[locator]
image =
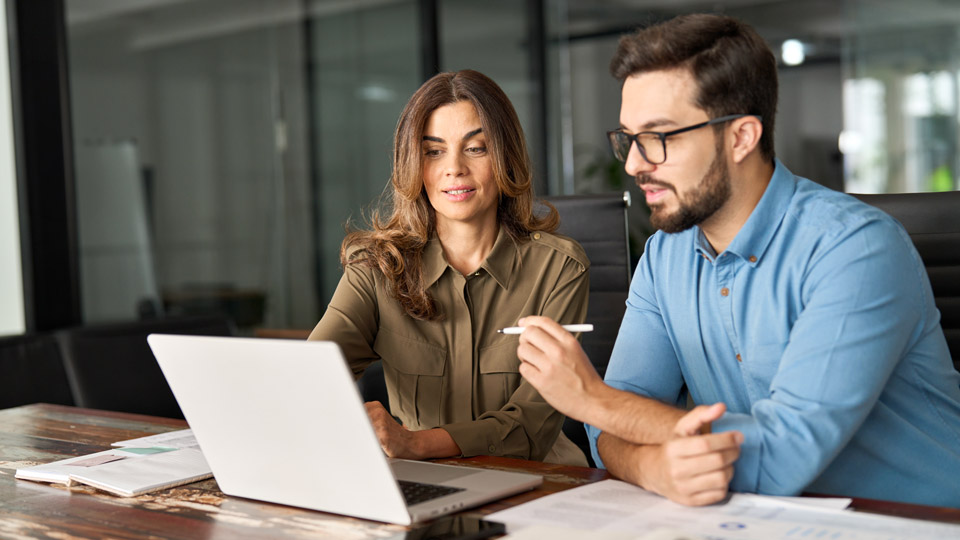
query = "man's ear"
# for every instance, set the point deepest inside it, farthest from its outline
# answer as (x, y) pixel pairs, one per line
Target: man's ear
(746, 136)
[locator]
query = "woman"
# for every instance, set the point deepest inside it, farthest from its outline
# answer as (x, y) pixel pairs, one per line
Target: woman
(460, 255)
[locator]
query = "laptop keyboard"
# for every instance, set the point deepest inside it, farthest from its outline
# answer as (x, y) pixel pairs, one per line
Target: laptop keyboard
(415, 492)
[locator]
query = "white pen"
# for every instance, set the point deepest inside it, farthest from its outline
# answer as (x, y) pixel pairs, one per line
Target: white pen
(567, 327)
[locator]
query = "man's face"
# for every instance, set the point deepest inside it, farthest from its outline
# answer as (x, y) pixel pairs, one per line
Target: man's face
(693, 183)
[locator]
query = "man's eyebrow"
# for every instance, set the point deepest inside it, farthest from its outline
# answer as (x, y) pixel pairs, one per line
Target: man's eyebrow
(652, 124)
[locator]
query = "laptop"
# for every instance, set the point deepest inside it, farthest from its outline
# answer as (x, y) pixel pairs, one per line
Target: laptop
(282, 421)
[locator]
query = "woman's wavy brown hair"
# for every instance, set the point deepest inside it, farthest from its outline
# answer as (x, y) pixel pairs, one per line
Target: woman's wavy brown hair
(394, 244)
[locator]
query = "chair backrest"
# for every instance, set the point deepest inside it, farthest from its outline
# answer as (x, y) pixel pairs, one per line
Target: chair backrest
(599, 223)
(111, 367)
(933, 222)
(31, 371)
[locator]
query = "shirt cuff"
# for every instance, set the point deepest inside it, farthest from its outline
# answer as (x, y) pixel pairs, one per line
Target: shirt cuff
(476, 437)
(746, 469)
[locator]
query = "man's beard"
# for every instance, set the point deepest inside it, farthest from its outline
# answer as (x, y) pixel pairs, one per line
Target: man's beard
(697, 205)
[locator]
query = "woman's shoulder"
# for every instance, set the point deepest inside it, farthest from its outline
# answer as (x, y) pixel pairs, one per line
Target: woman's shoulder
(558, 243)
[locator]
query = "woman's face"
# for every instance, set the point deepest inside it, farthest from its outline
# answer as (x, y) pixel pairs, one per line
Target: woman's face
(458, 168)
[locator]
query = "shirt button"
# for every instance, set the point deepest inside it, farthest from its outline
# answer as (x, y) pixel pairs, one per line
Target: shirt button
(536, 236)
(739, 359)
(724, 291)
(753, 258)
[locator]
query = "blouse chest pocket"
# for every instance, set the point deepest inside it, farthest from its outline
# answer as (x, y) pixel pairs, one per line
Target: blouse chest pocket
(413, 371)
(499, 374)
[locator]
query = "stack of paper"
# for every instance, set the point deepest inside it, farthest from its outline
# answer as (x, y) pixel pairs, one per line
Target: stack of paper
(131, 470)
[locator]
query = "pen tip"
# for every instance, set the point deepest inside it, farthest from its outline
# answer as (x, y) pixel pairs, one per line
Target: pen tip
(499, 330)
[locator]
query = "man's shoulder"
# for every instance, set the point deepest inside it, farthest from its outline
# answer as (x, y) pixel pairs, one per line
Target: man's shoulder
(820, 207)
(557, 243)
(829, 213)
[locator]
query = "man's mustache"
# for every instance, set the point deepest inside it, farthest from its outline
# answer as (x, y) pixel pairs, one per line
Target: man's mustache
(646, 179)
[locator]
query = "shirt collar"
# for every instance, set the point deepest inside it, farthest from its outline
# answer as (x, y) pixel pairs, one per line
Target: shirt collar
(756, 234)
(499, 263)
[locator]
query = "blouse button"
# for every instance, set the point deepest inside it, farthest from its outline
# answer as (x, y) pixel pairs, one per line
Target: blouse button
(536, 236)
(724, 291)
(492, 448)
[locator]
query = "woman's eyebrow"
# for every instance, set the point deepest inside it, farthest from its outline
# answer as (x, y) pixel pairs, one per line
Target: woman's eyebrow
(465, 137)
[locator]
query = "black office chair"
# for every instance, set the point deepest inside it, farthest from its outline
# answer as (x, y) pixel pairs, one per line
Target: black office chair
(32, 372)
(111, 367)
(599, 223)
(933, 222)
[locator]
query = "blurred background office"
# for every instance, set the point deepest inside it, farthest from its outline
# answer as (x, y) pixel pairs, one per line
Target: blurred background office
(178, 157)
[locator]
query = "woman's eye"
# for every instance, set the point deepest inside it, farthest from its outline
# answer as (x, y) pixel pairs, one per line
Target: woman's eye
(477, 150)
(431, 152)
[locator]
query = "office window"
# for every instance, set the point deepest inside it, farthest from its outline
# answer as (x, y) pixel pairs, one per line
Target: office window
(904, 106)
(12, 320)
(193, 192)
(365, 65)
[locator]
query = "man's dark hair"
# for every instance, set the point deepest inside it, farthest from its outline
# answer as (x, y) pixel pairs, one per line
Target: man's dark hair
(733, 66)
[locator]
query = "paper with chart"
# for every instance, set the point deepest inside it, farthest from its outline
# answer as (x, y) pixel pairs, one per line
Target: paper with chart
(617, 506)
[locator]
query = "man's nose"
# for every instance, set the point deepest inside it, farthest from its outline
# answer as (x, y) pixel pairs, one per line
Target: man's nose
(636, 164)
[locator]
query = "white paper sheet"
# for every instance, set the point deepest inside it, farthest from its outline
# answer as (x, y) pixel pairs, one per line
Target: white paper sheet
(612, 505)
(172, 439)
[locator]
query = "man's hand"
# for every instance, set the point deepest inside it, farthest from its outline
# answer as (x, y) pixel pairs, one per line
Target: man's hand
(396, 440)
(693, 468)
(555, 364)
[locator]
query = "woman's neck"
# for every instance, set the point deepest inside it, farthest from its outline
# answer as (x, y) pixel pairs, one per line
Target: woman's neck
(467, 245)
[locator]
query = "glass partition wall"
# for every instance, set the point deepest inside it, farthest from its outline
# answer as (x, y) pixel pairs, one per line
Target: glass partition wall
(222, 145)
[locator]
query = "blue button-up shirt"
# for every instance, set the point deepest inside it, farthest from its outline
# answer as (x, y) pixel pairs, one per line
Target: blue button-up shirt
(818, 330)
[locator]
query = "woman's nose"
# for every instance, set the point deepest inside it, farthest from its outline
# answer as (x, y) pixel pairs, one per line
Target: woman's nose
(454, 164)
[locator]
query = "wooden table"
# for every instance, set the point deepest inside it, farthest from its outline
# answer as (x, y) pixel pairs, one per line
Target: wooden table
(41, 433)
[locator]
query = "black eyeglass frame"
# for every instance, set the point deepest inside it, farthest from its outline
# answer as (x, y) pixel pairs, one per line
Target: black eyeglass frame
(662, 135)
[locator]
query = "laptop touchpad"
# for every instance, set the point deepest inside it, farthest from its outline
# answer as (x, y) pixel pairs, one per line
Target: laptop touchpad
(430, 473)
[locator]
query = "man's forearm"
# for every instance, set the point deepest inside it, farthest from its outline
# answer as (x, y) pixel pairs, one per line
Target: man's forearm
(624, 459)
(630, 417)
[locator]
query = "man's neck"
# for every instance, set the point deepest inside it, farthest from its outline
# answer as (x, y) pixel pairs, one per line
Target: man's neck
(749, 180)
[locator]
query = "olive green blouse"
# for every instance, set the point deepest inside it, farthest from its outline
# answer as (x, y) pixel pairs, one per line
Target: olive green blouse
(458, 373)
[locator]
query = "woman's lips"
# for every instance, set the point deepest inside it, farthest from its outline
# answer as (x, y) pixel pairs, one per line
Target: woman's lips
(459, 194)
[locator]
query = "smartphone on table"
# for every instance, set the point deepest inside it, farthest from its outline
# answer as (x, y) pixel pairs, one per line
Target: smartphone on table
(453, 528)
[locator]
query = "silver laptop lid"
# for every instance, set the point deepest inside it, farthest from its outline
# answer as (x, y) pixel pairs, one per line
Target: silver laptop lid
(281, 421)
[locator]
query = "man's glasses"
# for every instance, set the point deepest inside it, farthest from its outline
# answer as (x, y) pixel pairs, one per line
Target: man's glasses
(653, 144)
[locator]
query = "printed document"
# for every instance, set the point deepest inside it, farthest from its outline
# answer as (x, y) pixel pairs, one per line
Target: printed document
(612, 505)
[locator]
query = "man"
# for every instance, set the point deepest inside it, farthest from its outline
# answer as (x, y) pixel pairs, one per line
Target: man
(802, 315)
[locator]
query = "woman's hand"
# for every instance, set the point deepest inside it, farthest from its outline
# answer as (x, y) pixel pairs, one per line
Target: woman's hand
(396, 440)
(399, 442)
